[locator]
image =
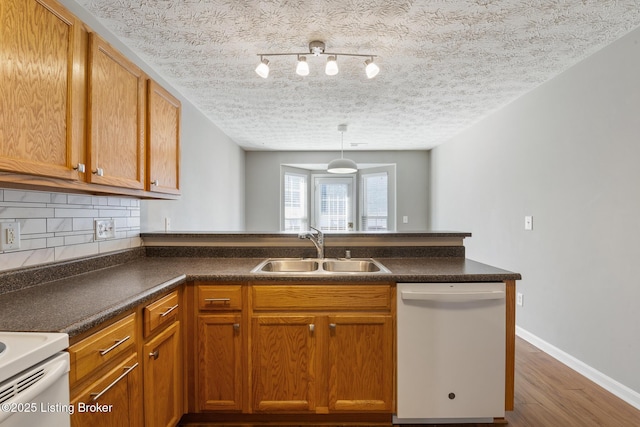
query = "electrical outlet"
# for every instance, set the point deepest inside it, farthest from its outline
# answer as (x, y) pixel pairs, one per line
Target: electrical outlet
(519, 299)
(105, 229)
(9, 236)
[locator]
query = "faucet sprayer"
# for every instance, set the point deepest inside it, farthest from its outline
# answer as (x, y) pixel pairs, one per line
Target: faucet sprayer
(317, 240)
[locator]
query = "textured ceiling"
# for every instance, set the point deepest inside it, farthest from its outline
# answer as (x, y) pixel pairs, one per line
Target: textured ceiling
(444, 64)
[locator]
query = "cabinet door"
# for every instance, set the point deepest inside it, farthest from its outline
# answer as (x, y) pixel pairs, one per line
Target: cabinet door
(283, 363)
(118, 397)
(360, 363)
(219, 372)
(41, 92)
(163, 379)
(116, 117)
(163, 140)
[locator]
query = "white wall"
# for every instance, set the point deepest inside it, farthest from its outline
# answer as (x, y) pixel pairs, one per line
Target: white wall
(566, 153)
(212, 165)
(263, 184)
(212, 182)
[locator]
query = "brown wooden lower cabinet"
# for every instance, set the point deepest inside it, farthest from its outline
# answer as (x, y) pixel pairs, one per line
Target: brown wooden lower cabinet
(220, 368)
(283, 363)
(292, 349)
(333, 354)
(113, 399)
(360, 362)
(163, 378)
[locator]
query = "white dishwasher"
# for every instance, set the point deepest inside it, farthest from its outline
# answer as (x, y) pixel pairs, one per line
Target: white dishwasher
(451, 352)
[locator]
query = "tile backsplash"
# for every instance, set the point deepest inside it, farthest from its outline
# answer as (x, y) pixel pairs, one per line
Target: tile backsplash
(60, 226)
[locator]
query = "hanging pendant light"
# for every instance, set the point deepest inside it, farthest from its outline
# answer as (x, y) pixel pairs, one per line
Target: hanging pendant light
(342, 165)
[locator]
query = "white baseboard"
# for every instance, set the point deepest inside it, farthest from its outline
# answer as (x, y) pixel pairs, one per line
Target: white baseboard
(630, 396)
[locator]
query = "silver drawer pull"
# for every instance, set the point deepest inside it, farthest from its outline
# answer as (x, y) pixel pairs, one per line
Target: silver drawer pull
(155, 182)
(155, 354)
(225, 300)
(236, 327)
(332, 326)
(98, 171)
(96, 396)
(312, 327)
(169, 310)
(107, 350)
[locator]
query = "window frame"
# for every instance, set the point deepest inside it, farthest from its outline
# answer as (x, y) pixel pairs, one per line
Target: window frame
(286, 170)
(353, 206)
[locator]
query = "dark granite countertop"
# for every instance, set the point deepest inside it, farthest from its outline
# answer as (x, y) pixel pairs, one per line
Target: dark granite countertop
(284, 234)
(80, 302)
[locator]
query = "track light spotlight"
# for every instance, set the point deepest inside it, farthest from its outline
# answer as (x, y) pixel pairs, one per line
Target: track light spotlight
(370, 68)
(263, 68)
(331, 69)
(302, 69)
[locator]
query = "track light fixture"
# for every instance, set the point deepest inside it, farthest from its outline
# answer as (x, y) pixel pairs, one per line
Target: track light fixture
(317, 48)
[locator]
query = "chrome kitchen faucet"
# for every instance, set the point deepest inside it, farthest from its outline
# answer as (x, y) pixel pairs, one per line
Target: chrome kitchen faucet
(317, 240)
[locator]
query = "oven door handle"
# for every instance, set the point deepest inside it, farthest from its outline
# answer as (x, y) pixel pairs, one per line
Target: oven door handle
(452, 296)
(52, 373)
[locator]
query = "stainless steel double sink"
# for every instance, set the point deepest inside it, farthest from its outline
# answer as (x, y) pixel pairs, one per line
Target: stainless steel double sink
(320, 266)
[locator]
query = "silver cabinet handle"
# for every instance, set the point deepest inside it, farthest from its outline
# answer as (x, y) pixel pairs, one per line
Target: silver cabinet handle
(155, 182)
(312, 327)
(107, 350)
(79, 167)
(332, 326)
(98, 171)
(236, 327)
(155, 354)
(225, 300)
(96, 396)
(169, 310)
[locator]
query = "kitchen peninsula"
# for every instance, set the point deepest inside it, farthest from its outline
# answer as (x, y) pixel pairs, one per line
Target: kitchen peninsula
(221, 301)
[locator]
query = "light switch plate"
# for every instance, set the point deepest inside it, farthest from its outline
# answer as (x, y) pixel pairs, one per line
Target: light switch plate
(528, 223)
(105, 229)
(9, 236)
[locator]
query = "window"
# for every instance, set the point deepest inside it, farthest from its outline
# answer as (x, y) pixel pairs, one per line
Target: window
(374, 201)
(333, 203)
(364, 201)
(294, 202)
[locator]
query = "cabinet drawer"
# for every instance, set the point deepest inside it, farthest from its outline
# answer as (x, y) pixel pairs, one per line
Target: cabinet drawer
(321, 297)
(98, 349)
(161, 313)
(220, 297)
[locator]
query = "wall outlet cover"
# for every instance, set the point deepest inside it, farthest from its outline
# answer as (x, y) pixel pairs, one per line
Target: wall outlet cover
(105, 229)
(9, 236)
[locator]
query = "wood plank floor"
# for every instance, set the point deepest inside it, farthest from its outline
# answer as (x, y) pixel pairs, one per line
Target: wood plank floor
(547, 394)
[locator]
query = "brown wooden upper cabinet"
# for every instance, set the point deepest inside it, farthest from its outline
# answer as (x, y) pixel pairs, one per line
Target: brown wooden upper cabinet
(115, 125)
(163, 140)
(41, 89)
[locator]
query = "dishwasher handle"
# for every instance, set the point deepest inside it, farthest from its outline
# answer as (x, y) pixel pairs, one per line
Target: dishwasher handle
(452, 296)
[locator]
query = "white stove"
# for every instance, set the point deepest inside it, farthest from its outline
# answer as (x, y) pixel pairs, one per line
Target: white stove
(34, 377)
